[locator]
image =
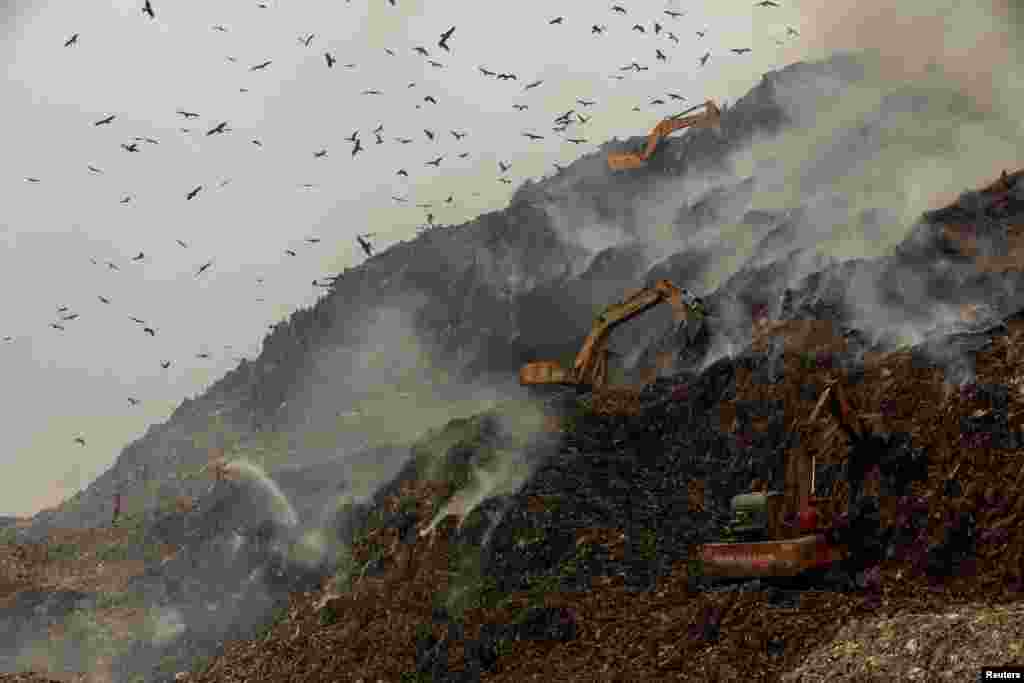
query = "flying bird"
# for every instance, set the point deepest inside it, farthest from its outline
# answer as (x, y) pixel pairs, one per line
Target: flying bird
(358, 147)
(657, 101)
(367, 247)
(134, 147)
(619, 8)
(389, 51)
(674, 15)
(202, 355)
(290, 252)
(556, 20)
(581, 118)
(598, 29)
(165, 364)
(188, 114)
(507, 77)
(220, 28)
(576, 141)
(103, 122)
(790, 31)
(457, 135)
(739, 50)
(586, 103)
(400, 200)
(139, 257)
(660, 55)
(69, 317)
(352, 138)
(306, 40)
(704, 60)
(104, 299)
(504, 167)
(435, 64)
(638, 27)
(674, 96)
(701, 33)
(422, 51)
(436, 163)
(30, 179)
(182, 244)
(402, 172)
(313, 240)
(145, 139)
(192, 194)
(80, 441)
(321, 154)
(71, 41)
(530, 86)
(62, 309)
(112, 266)
(133, 401)
(430, 98)
(505, 180)
(657, 28)
(137, 320)
(766, 3)
(260, 66)
(533, 136)
(443, 43)
(486, 72)
(429, 133)
(57, 327)
(330, 60)
(464, 155)
(219, 128)
(148, 9)
(203, 268)
(372, 92)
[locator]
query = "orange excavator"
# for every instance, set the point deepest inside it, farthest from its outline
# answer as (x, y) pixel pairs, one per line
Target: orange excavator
(591, 366)
(710, 118)
(762, 545)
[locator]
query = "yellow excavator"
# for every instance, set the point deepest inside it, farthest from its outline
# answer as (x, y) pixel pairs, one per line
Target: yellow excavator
(710, 118)
(591, 366)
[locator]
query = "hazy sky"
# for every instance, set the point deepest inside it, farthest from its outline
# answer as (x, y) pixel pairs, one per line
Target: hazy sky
(62, 384)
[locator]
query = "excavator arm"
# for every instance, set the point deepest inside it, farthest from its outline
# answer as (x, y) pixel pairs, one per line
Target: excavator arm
(591, 365)
(627, 160)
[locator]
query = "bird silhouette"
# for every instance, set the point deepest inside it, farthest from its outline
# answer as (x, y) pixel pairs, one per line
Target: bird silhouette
(657, 101)
(390, 51)
(598, 29)
(330, 60)
(404, 141)
(486, 72)
(372, 92)
(740, 50)
(674, 15)
(137, 320)
(94, 169)
(701, 33)
(62, 309)
(148, 9)
(766, 3)
(145, 139)
(80, 441)
(103, 122)
(30, 179)
(504, 167)
(464, 155)
(192, 194)
(150, 331)
(530, 86)
(289, 252)
(533, 136)
(657, 28)
(133, 401)
(321, 154)
(400, 200)
(203, 268)
(443, 43)
(521, 107)
(313, 240)
(72, 316)
(219, 128)
(367, 247)
(660, 55)
(619, 8)
(357, 148)
(112, 266)
(8, 338)
(71, 41)
(182, 244)
(57, 327)
(104, 299)
(306, 40)
(165, 364)
(422, 51)
(139, 257)
(202, 355)
(260, 66)
(429, 133)
(507, 77)
(402, 172)
(220, 28)
(505, 180)
(430, 98)
(581, 118)
(674, 96)
(704, 60)
(638, 27)
(576, 141)
(188, 114)
(352, 138)
(457, 135)
(134, 147)
(586, 103)
(556, 20)
(790, 31)
(436, 163)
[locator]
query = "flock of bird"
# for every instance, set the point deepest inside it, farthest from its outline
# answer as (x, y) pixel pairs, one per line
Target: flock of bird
(561, 124)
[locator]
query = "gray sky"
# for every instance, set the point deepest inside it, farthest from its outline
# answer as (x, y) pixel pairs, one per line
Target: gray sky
(77, 382)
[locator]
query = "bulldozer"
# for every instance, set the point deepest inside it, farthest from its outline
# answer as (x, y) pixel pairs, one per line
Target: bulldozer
(590, 369)
(709, 118)
(762, 545)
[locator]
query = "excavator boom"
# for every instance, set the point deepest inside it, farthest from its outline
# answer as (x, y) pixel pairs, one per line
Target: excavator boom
(591, 365)
(618, 161)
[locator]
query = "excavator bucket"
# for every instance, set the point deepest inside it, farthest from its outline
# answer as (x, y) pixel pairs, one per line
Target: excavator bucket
(543, 372)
